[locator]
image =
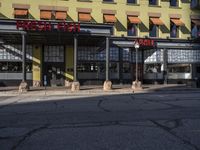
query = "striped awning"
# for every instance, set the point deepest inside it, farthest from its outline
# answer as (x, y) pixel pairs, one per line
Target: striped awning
(156, 21)
(45, 14)
(177, 22)
(86, 17)
(134, 19)
(110, 18)
(20, 12)
(61, 15)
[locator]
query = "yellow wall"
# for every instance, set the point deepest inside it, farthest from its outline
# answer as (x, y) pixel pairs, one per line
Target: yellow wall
(121, 7)
(37, 66)
(69, 63)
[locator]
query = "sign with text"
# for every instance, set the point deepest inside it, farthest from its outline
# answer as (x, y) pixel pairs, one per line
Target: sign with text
(33, 25)
(145, 42)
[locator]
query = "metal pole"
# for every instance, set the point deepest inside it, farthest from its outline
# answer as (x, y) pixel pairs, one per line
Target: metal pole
(75, 58)
(23, 58)
(136, 65)
(107, 59)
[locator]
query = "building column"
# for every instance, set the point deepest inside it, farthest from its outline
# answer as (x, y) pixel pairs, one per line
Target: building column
(165, 58)
(107, 83)
(23, 85)
(75, 83)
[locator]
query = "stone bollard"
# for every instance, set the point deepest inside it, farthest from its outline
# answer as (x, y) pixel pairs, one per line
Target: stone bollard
(136, 85)
(23, 87)
(107, 85)
(75, 86)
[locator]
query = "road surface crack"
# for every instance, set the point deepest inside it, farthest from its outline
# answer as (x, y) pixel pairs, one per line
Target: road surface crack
(99, 105)
(27, 135)
(168, 129)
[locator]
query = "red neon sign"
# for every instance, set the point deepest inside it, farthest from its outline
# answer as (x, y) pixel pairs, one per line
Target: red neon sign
(145, 42)
(47, 26)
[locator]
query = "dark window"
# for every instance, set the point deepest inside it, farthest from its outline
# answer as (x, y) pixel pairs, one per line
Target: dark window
(14, 67)
(108, 0)
(195, 32)
(179, 68)
(153, 2)
(153, 30)
(132, 1)
(173, 30)
(126, 68)
(174, 3)
(198, 69)
(194, 3)
(132, 29)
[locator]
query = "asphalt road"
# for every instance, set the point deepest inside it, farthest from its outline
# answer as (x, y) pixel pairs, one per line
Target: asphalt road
(154, 121)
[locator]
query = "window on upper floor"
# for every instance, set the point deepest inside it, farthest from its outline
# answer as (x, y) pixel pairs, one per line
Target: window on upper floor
(132, 1)
(195, 28)
(153, 30)
(174, 3)
(174, 30)
(154, 23)
(175, 24)
(21, 13)
(194, 3)
(46, 14)
(132, 25)
(132, 29)
(153, 2)
(108, 0)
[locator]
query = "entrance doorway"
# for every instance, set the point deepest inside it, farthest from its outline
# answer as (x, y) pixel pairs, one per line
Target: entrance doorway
(54, 66)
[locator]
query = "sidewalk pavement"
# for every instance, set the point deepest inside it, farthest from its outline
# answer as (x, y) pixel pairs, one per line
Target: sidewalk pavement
(94, 90)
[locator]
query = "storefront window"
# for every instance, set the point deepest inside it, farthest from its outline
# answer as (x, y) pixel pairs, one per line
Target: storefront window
(194, 3)
(91, 67)
(14, 67)
(114, 67)
(127, 54)
(126, 67)
(152, 68)
(179, 68)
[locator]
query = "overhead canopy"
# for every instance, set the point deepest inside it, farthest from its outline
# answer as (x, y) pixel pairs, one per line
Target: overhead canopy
(110, 18)
(177, 22)
(134, 20)
(84, 17)
(157, 21)
(61, 15)
(20, 12)
(45, 14)
(196, 22)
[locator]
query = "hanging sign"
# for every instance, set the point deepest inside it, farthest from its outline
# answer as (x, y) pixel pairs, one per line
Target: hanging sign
(33, 25)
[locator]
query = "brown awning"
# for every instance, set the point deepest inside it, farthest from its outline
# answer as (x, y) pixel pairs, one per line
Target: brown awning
(84, 17)
(110, 18)
(177, 22)
(156, 21)
(196, 22)
(45, 14)
(61, 15)
(133, 19)
(21, 12)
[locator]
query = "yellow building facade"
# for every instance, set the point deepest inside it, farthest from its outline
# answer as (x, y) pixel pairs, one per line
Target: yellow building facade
(99, 17)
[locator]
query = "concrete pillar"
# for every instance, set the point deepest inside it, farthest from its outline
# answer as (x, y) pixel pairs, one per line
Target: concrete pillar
(107, 83)
(75, 84)
(23, 87)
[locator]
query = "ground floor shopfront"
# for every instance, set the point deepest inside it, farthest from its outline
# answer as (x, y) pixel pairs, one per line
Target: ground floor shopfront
(91, 56)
